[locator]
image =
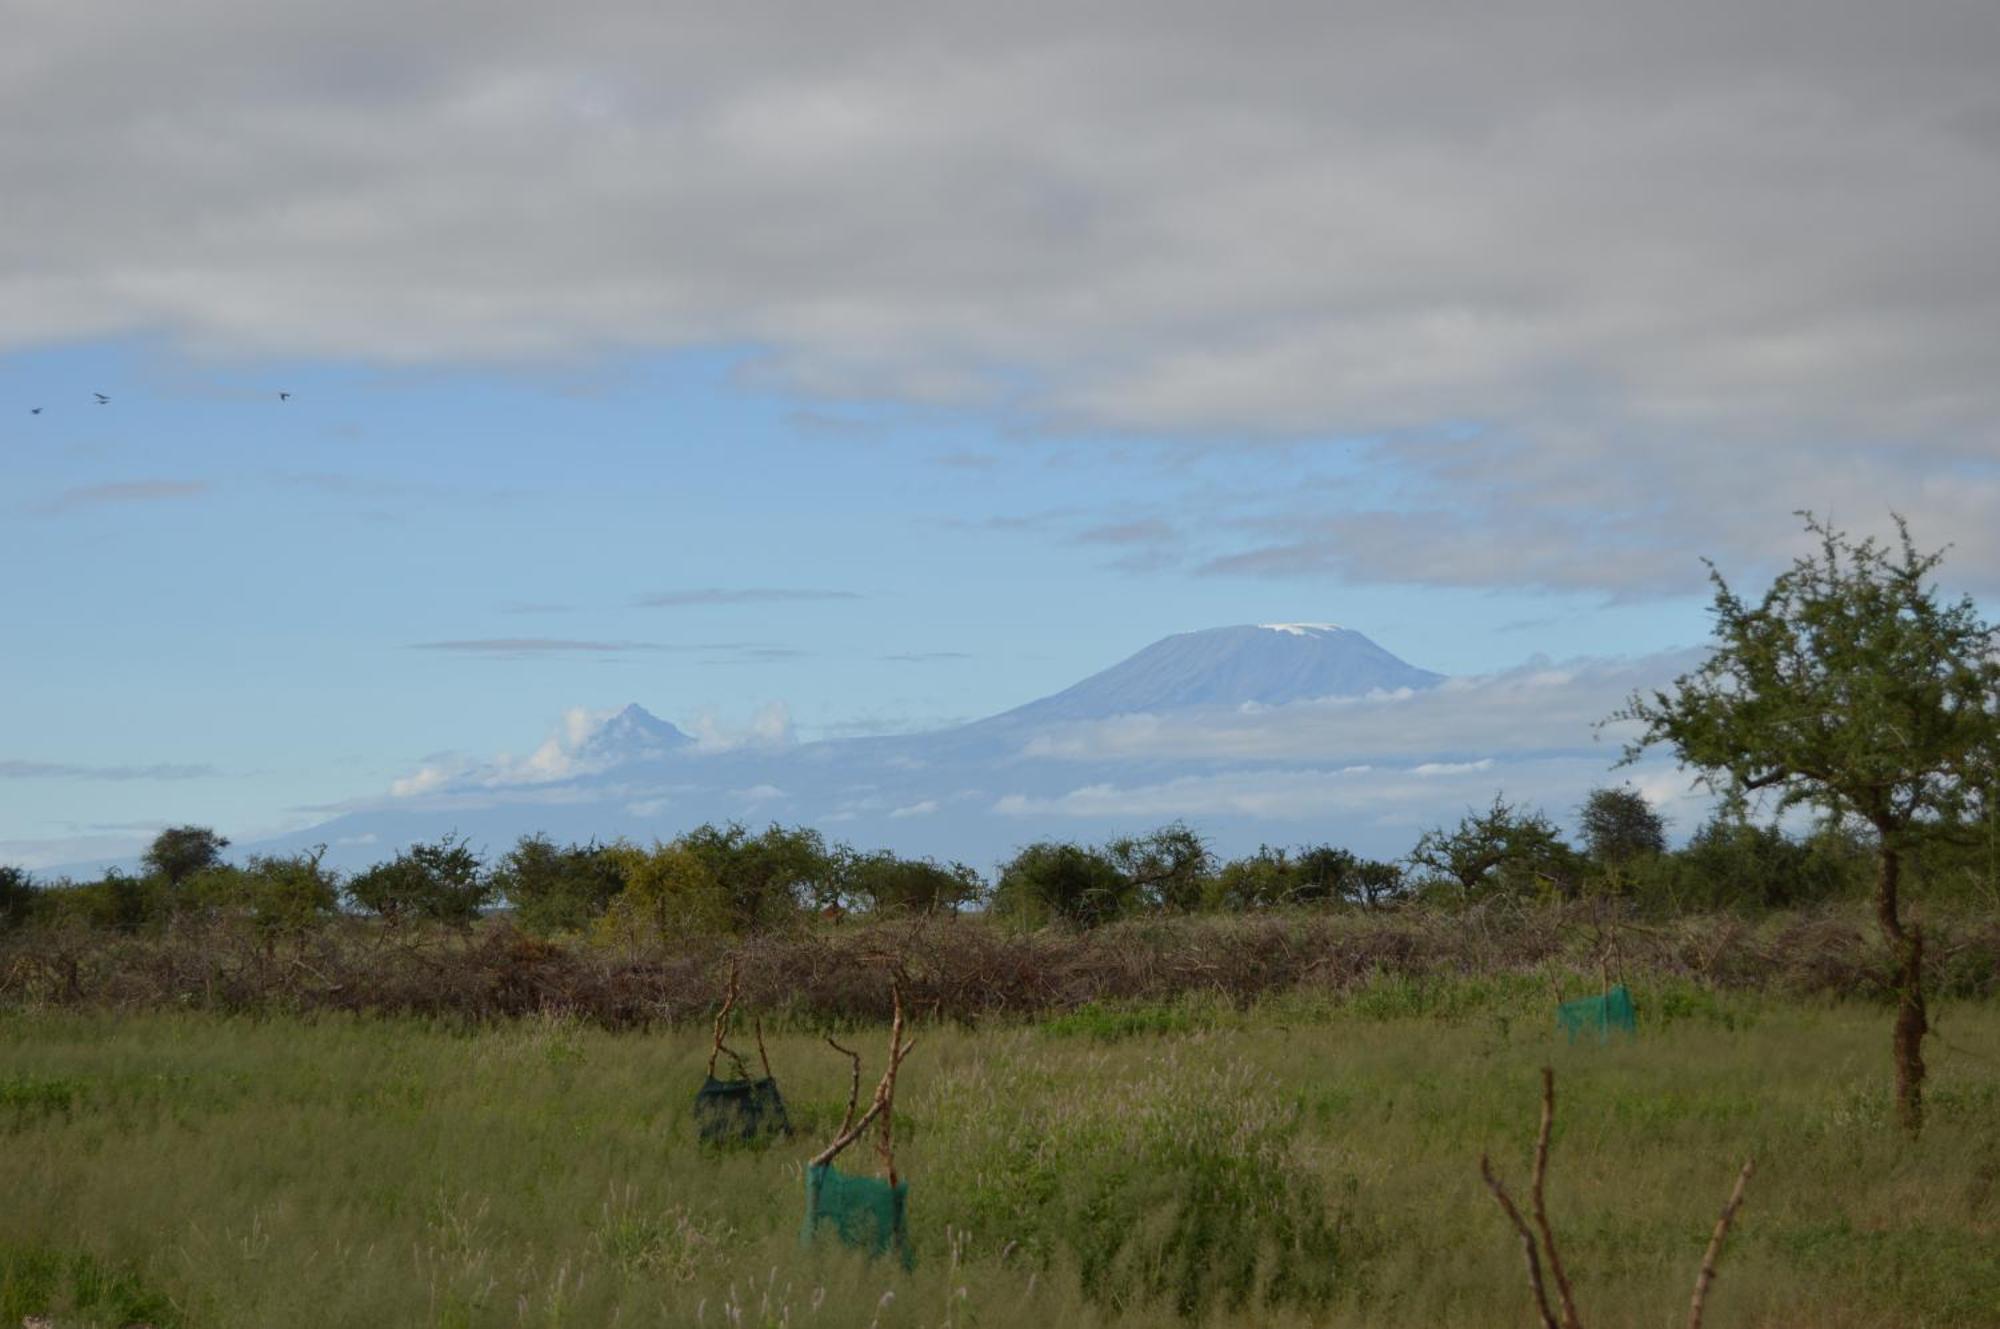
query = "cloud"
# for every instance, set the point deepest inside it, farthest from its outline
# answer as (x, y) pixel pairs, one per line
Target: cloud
(39, 854)
(1149, 531)
(524, 648)
(1347, 796)
(562, 755)
(742, 595)
(1452, 767)
(769, 728)
(57, 770)
(124, 491)
(922, 808)
(1606, 282)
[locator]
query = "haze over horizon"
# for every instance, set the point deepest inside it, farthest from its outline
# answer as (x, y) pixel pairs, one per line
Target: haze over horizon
(812, 375)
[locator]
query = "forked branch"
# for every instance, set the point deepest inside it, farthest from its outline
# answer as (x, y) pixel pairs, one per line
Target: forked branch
(1567, 1302)
(882, 1106)
(1534, 1252)
(1528, 1253)
(853, 1082)
(722, 1028)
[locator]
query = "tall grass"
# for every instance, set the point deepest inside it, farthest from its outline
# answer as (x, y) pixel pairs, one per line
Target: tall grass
(1307, 1161)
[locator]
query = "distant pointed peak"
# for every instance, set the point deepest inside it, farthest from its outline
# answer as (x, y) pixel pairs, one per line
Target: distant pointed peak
(635, 732)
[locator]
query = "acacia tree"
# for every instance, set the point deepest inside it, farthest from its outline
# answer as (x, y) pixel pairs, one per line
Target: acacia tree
(1504, 846)
(1852, 688)
(1619, 825)
(179, 852)
(1169, 868)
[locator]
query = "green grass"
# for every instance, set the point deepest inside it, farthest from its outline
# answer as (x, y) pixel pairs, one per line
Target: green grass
(1311, 1161)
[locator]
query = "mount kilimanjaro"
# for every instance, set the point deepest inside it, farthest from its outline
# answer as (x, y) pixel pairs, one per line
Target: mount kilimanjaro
(1089, 760)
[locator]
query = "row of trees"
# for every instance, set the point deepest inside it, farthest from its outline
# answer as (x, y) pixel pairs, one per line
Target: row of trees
(730, 879)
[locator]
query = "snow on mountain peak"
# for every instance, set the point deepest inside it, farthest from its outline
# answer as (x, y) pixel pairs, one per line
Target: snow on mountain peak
(1302, 629)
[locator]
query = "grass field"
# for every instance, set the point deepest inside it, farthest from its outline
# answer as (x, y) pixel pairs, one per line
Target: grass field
(1304, 1162)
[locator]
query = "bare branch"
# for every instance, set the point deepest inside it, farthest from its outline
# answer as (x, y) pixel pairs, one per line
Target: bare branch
(1527, 1242)
(853, 1083)
(1569, 1320)
(722, 1027)
(883, 1104)
(1722, 1222)
(762, 1055)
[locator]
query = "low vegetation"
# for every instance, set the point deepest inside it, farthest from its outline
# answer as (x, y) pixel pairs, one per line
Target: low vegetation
(1308, 1159)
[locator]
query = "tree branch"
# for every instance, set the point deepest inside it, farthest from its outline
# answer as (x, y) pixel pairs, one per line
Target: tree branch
(1527, 1242)
(1569, 1320)
(1707, 1274)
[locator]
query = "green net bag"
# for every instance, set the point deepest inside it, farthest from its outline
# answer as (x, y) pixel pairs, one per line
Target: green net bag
(865, 1213)
(740, 1111)
(1599, 1015)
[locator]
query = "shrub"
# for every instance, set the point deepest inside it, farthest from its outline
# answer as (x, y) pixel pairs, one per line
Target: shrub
(1065, 883)
(555, 888)
(441, 881)
(1184, 1187)
(669, 893)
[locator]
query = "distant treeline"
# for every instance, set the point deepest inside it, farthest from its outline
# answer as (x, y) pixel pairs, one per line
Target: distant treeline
(719, 880)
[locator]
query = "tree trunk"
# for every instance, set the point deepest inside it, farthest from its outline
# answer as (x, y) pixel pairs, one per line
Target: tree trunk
(1906, 952)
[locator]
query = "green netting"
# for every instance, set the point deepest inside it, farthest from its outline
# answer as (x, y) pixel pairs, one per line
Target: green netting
(866, 1213)
(1598, 1015)
(733, 1111)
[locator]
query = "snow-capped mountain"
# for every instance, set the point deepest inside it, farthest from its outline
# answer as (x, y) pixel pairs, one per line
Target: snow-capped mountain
(1275, 733)
(1269, 664)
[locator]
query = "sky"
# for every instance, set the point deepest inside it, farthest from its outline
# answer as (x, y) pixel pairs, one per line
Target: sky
(861, 369)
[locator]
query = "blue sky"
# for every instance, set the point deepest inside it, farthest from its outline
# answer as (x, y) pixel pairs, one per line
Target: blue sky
(916, 369)
(299, 600)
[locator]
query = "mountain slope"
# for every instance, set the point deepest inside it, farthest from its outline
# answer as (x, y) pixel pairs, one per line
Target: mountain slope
(1269, 664)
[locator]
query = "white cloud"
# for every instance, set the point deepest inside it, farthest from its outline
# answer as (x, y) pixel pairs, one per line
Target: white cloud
(922, 808)
(1667, 271)
(769, 726)
(1343, 801)
(560, 756)
(1452, 767)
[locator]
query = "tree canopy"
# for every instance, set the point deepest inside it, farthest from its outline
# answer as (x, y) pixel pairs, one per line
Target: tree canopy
(1855, 688)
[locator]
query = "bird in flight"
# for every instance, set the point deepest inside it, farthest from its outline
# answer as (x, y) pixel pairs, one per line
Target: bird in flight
(101, 398)
(34, 410)
(284, 396)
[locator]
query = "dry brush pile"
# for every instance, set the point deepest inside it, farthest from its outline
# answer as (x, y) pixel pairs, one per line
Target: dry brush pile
(955, 968)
